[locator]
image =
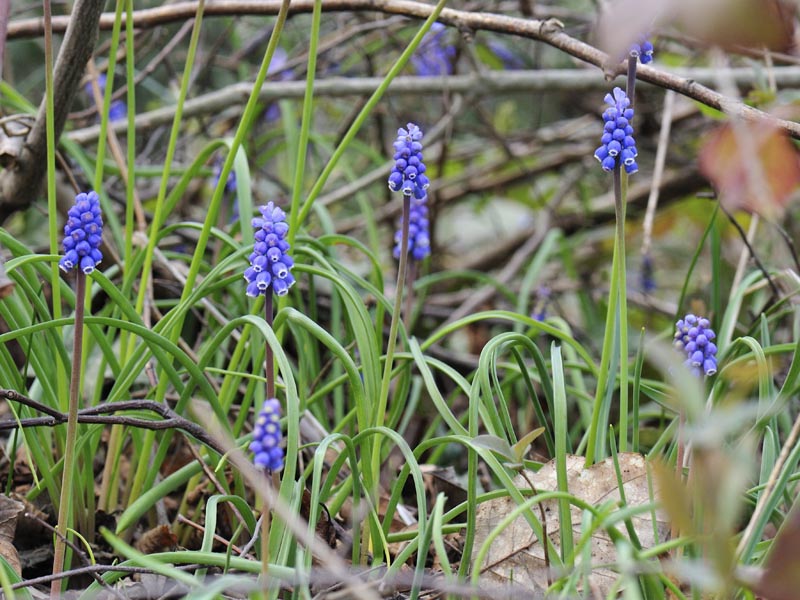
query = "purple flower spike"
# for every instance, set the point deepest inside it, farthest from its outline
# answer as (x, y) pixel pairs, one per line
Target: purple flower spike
(693, 336)
(618, 147)
(266, 444)
(83, 234)
(408, 176)
(270, 263)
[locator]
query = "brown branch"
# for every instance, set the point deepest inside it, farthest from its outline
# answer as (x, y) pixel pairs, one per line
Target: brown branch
(548, 31)
(100, 415)
(18, 185)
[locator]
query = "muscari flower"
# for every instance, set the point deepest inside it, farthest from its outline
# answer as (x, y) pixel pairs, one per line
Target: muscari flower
(266, 444)
(230, 184)
(510, 60)
(647, 276)
(643, 50)
(270, 263)
(694, 336)
(434, 56)
(408, 176)
(83, 234)
(118, 109)
(277, 69)
(617, 142)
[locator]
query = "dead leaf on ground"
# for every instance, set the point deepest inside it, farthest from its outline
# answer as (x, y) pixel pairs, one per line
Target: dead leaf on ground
(9, 513)
(158, 539)
(516, 554)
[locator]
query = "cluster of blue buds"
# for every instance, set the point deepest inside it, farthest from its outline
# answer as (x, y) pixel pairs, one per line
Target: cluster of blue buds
(83, 234)
(617, 140)
(408, 173)
(434, 56)
(266, 444)
(694, 336)
(419, 242)
(643, 50)
(270, 263)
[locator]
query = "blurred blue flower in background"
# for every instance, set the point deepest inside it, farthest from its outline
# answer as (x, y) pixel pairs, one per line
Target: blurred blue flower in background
(118, 109)
(511, 62)
(266, 444)
(277, 67)
(434, 56)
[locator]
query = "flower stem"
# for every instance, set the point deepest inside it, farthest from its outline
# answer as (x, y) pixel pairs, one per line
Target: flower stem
(64, 503)
(630, 88)
(270, 357)
(620, 197)
(383, 399)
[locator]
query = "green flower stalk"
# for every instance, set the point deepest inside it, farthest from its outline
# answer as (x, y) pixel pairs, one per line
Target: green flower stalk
(83, 235)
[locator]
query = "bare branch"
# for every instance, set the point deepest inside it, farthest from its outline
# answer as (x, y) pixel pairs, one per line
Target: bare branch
(548, 31)
(100, 415)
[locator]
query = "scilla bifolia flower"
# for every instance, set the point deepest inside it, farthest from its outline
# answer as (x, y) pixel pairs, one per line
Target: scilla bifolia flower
(83, 234)
(617, 140)
(408, 176)
(694, 336)
(270, 263)
(266, 444)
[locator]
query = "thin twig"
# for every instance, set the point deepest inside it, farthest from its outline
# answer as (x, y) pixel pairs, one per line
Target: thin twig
(747, 239)
(658, 171)
(96, 415)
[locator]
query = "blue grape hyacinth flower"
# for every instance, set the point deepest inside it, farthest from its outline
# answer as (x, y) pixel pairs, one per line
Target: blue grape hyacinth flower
(408, 173)
(434, 56)
(266, 444)
(419, 242)
(83, 234)
(643, 50)
(118, 109)
(694, 336)
(270, 263)
(408, 176)
(617, 144)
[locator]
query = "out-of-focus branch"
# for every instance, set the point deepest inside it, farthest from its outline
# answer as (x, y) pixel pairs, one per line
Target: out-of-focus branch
(548, 31)
(22, 178)
(547, 80)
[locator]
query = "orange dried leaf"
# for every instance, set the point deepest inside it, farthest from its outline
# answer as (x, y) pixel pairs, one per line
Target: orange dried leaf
(754, 166)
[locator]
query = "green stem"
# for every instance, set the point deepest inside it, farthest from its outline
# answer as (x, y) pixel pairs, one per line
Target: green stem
(605, 360)
(620, 197)
(52, 208)
(308, 111)
(270, 356)
(383, 398)
(65, 501)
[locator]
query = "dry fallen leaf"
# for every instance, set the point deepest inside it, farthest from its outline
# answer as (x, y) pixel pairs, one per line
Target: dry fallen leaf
(753, 165)
(516, 555)
(9, 513)
(780, 577)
